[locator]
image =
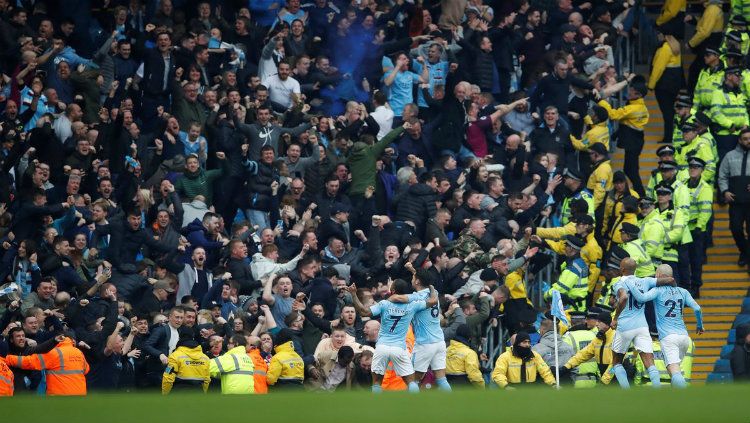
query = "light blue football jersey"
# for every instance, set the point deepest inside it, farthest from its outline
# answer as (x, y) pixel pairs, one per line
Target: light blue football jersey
(633, 316)
(669, 303)
(427, 328)
(394, 321)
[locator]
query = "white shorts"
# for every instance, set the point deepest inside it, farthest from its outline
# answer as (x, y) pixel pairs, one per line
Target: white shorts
(398, 356)
(429, 355)
(674, 348)
(640, 338)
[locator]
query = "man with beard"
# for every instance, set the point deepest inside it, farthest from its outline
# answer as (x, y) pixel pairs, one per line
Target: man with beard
(520, 365)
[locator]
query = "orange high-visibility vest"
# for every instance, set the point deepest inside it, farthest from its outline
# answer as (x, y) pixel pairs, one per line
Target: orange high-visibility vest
(259, 372)
(65, 368)
(6, 379)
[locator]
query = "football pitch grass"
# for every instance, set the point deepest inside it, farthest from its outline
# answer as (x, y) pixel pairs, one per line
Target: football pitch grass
(704, 404)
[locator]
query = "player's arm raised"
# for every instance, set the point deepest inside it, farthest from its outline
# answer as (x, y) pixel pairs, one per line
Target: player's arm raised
(433, 297)
(361, 309)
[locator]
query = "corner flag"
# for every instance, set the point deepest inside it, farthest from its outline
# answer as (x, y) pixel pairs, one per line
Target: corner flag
(557, 308)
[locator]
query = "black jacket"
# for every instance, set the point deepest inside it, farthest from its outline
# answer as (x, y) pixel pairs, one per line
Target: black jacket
(740, 356)
(418, 205)
(153, 73)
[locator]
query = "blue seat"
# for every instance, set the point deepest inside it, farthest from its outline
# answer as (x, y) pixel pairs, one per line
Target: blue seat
(741, 319)
(732, 337)
(719, 378)
(722, 366)
(726, 351)
(746, 305)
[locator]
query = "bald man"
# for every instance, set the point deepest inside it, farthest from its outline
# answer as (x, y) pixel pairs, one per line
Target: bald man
(630, 322)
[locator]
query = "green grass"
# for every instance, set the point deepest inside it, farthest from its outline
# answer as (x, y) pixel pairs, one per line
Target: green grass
(606, 405)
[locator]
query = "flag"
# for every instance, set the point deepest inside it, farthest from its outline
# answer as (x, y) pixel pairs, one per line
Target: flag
(8, 289)
(558, 310)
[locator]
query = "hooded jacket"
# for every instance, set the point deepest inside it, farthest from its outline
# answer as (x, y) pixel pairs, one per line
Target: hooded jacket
(262, 266)
(286, 365)
(740, 356)
(418, 205)
(199, 183)
(362, 161)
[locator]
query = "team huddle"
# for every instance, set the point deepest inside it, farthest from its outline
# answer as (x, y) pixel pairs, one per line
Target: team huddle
(638, 302)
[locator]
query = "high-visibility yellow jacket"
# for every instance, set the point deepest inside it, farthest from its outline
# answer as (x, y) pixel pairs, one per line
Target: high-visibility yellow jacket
(606, 292)
(701, 148)
(573, 282)
(186, 368)
(653, 231)
(709, 80)
(508, 369)
(701, 204)
(670, 9)
(599, 350)
(676, 227)
(286, 365)
(461, 360)
(634, 114)
(614, 236)
(583, 194)
(588, 370)
(558, 232)
(613, 207)
(514, 282)
(666, 56)
(597, 133)
(235, 368)
(729, 111)
(741, 8)
(712, 20)
(644, 266)
(591, 253)
(600, 181)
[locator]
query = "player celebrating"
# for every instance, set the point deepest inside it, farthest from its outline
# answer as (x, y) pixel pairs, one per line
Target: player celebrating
(630, 322)
(394, 324)
(429, 351)
(673, 335)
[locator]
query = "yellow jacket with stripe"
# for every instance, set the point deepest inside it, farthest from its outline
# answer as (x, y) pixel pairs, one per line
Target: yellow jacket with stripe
(666, 56)
(186, 367)
(741, 8)
(235, 368)
(709, 81)
(461, 360)
(653, 231)
(728, 111)
(508, 369)
(634, 114)
(598, 349)
(600, 181)
(701, 204)
(712, 20)
(286, 364)
(700, 147)
(641, 376)
(597, 133)
(591, 253)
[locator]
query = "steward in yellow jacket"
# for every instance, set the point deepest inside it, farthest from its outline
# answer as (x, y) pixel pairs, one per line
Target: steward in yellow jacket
(187, 367)
(598, 131)
(235, 368)
(520, 365)
(666, 79)
(591, 253)
(600, 180)
(600, 349)
(462, 362)
(709, 26)
(287, 368)
(613, 201)
(629, 214)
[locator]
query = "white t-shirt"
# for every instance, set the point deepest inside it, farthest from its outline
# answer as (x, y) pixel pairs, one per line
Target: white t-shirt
(384, 117)
(280, 91)
(174, 337)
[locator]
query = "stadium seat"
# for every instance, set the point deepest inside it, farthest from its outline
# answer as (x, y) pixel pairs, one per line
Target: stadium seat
(741, 319)
(719, 378)
(726, 350)
(745, 306)
(722, 366)
(732, 336)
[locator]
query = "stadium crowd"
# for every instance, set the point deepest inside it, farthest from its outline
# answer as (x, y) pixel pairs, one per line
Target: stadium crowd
(204, 195)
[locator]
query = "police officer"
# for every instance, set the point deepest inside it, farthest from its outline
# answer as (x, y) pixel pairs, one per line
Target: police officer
(735, 58)
(187, 366)
(737, 27)
(665, 153)
(697, 145)
(701, 209)
(634, 247)
(686, 365)
(682, 106)
(729, 111)
(573, 181)
(573, 282)
(681, 202)
(596, 356)
(709, 80)
(653, 230)
(633, 118)
(676, 227)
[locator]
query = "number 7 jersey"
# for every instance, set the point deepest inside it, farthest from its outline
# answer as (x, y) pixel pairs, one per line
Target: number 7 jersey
(394, 321)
